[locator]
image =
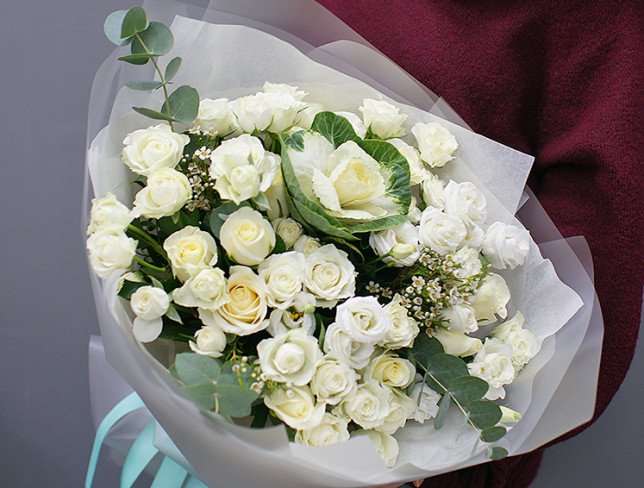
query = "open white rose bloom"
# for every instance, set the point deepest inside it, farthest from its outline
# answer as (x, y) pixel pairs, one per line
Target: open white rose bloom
(328, 253)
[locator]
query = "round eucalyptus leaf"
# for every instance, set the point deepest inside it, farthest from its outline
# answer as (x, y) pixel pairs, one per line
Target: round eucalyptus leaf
(112, 27)
(183, 104)
(136, 58)
(156, 39)
(484, 414)
(172, 68)
(134, 21)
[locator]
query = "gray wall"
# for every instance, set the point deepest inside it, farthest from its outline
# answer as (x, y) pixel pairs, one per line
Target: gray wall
(49, 51)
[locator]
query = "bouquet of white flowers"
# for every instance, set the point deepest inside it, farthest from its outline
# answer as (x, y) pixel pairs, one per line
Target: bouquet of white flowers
(317, 266)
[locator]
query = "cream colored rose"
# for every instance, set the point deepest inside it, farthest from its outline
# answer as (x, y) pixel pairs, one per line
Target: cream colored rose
(466, 202)
(290, 358)
(108, 212)
(283, 275)
(401, 407)
(435, 143)
(491, 299)
(190, 250)
(493, 363)
(110, 249)
(416, 168)
(426, 407)
(149, 150)
(216, 117)
(384, 444)
(390, 371)
(383, 119)
(166, 192)
(467, 261)
(439, 231)
(247, 237)
(149, 304)
(524, 344)
(331, 429)
(207, 289)
(460, 318)
(333, 380)
(367, 405)
(329, 275)
(306, 245)
(432, 190)
(364, 319)
(403, 330)
(245, 312)
(457, 343)
(398, 244)
(289, 230)
(298, 316)
(340, 345)
(506, 246)
(209, 341)
(295, 406)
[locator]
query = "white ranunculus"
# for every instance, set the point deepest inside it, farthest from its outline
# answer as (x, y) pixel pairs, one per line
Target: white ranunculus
(468, 261)
(110, 249)
(356, 123)
(384, 444)
(207, 289)
(340, 345)
(272, 112)
(298, 316)
(283, 275)
(439, 231)
(491, 299)
(426, 407)
(524, 344)
(245, 312)
(457, 343)
(367, 405)
(432, 190)
(331, 429)
(506, 246)
(209, 341)
(493, 363)
(149, 304)
(149, 150)
(307, 245)
(382, 119)
(399, 244)
(333, 380)
(460, 318)
(401, 407)
(412, 156)
(403, 330)
(216, 117)
(108, 212)
(242, 168)
(190, 250)
(329, 275)
(290, 358)
(390, 371)
(166, 192)
(364, 319)
(289, 230)
(296, 407)
(435, 143)
(465, 201)
(247, 236)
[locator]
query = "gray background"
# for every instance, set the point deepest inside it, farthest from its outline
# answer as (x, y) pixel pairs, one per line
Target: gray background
(49, 52)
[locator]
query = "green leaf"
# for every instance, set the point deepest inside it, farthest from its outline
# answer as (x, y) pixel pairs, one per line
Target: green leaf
(157, 39)
(194, 369)
(493, 434)
(443, 408)
(144, 85)
(466, 389)
(112, 27)
(153, 114)
(156, 282)
(334, 127)
(134, 21)
(280, 246)
(484, 414)
(203, 394)
(496, 453)
(425, 348)
(138, 59)
(183, 104)
(234, 400)
(261, 201)
(444, 368)
(172, 68)
(172, 314)
(219, 215)
(130, 287)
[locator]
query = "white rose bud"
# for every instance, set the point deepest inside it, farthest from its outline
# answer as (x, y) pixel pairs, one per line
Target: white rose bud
(439, 231)
(383, 119)
(333, 380)
(295, 407)
(524, 344)
(356, 123)
(149, 304)
(435, 143)
(403, 330)
(401, 407)
(457, 343)
(509, 416)
(384, 444)
(493, 363)
(190, 250)
(108, 212)
(298, 316)
(110, 249)
(340, 345)
(329, 275)
(491, 299)
(466, 202)
(460, 318)
(416, 168)
(215, 116)
(364, 319)
(149, 150)
(166, 192)
(390, 371)
(332, 429)
(306, 245)
(207, 289)
(367, 405)
(290, 358)
(506, 246)
(426, 405)
(432, 190)
(289, 230)
(468, 263)
(247, 237)
(399, 244)
(283, 275)
(210, 341)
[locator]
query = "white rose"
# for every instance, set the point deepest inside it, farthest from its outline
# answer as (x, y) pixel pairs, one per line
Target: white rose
(306, 245)
(298, 316)
(356, 123)
(390, 371)
(210, 341)
(493, 363)
(149, 150)
(273, 112)
(149, 304)
(435, 143)
(190, 250)
(108, 211)
(457, 343)
(289, 230)
(426, 405)
(283, 275)
(412, 156)
(245, 312)
(465, 201)
(242, 168)
(506, 246)
(340, 345)
(215, 116)
(284, 88)
(491, 299)
(401, 407)
(333, 380)
(110, 249)
(207, 289)
(165, 193)
(468, 261)
(247, 237)
(460, 318)
(432, 190)
(329, 275)
(367, 405)
(524, 344)
(403, 328)
(364, 319)
(295, 407)
(474, 237)
(382, 119)
(399, 244)
(331, 429)
(439, 231)
(290, 358)
(384, 444)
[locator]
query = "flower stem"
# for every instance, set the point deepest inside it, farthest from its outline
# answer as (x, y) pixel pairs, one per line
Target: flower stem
(148, 239)
(148, 265)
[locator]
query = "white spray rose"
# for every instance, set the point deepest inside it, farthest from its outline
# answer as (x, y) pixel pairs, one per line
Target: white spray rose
(283, 275)
(216, 117)
(399, 244)
(166, 192)
(506, 246)
(390, 371)
(439, 231)
(493, 363)
(273, 112)
(295, 407)
(331, 429)
(384, 444)
(329, 275)
(427, 405)
(432, 190)
(460, 318)
(524, 344)
(340, 345)
(207, 289)
(457, 343)
(435, 143)
(403, 330)
(298, 316)
(242, 168)
(110, 249)
(465, 201)
(401, 407)
(149, 150)
(416, 168)
(289, 230)
(108, 212)
(190, 251)
(247, 237)
(468, 261)
(367, 405)
(364, 319)
(149, 304)
(307, 245)
(383, 119)
(209, 341)
(491, 299)
(356, 123)
(333, 380)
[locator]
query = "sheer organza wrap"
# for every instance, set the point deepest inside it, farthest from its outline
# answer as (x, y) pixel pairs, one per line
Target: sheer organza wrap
(230, 49)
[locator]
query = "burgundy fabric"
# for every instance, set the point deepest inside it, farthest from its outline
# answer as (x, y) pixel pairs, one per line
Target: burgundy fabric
(561, 81)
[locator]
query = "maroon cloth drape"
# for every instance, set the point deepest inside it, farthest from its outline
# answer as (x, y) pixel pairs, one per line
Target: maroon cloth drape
(561, 81)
